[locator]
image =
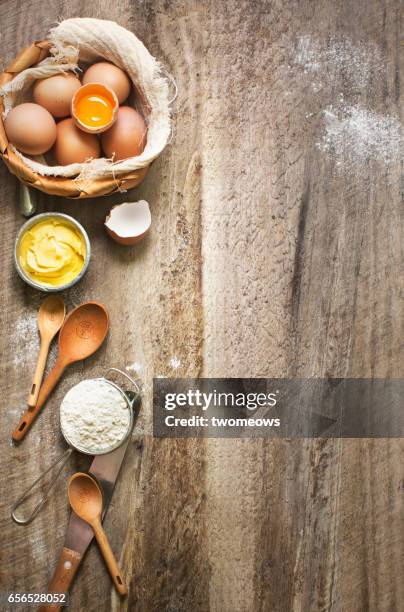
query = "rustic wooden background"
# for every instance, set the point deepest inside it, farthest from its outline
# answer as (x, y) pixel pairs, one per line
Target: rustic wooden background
(273, 252)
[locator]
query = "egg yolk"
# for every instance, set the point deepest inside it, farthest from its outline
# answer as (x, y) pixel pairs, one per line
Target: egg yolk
(94, 110)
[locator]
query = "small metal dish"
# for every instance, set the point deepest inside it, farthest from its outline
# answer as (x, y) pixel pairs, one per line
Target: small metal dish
(30, 223)
(110, 449)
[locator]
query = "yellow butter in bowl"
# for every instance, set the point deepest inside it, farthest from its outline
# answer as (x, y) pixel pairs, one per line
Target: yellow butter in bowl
(52, 251)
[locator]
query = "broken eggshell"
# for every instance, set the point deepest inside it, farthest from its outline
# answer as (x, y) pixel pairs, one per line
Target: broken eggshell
(129, 222)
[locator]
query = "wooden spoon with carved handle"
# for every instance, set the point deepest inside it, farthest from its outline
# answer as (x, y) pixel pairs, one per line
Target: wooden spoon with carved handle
(86, 500)
(50, 319)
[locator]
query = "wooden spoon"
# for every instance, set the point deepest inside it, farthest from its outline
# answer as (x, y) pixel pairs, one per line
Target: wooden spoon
(51, 315)
(82, 333)
(85, 498)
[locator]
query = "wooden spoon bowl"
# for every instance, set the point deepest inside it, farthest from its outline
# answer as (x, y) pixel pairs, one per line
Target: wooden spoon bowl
(85, 496)
(83, 332)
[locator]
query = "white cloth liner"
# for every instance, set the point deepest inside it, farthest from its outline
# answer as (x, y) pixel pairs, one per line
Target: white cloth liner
(93, 40)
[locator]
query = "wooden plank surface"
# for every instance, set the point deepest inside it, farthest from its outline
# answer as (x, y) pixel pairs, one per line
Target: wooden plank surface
(275, 251)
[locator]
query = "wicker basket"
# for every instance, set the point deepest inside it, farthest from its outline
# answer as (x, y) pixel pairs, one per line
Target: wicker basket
(60, 186)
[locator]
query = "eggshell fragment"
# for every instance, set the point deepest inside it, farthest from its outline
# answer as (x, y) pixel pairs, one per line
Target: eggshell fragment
(73, 145)
(56, 93)
(111, 76)
(127, 137)
(129, 222)
(30, 128)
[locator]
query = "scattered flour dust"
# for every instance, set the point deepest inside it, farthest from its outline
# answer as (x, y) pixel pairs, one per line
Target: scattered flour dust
(175, 363)
(356, 135)
(352, 134)
(135, 367)
(94, 416)
(356, 63)
(26, 338)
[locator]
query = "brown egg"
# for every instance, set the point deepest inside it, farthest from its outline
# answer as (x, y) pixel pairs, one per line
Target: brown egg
(127, 137)
(73, 145)
(111, 76)
(56, 92)
(30, 128)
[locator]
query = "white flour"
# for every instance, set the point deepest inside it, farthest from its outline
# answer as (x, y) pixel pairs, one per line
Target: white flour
(354, 135)
(94, 416)
(26, 337)
(135, 367)
(175, 363)
(357, 64)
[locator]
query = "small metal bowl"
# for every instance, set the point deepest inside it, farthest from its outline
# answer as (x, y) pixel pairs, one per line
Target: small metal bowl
(30, 223)
(103, 451)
